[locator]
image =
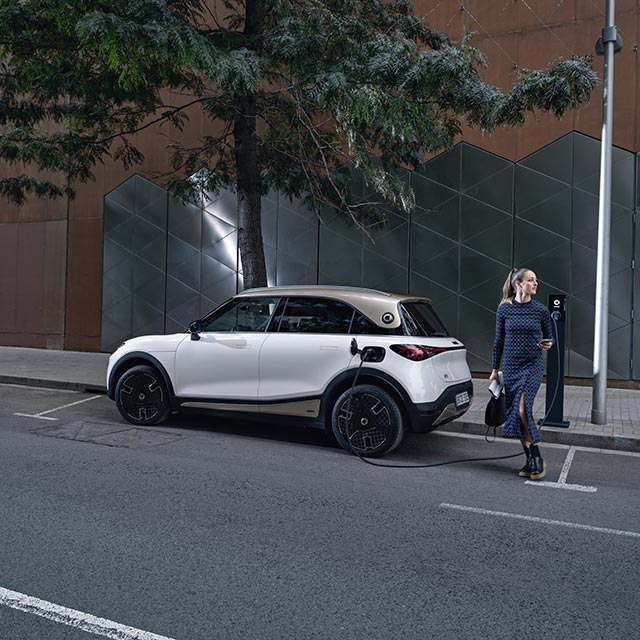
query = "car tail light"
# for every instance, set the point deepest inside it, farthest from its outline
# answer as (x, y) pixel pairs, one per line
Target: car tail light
(418, 352)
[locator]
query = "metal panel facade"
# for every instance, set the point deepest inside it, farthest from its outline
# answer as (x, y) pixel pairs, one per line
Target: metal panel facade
(166, 263)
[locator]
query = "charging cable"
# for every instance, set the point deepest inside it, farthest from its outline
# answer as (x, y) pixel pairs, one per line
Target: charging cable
(363, 358)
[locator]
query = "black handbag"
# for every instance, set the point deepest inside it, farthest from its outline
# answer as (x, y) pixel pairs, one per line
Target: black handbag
(494, 414)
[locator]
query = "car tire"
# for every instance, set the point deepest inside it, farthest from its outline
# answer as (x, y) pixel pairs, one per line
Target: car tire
(367, 421)
(141, 396)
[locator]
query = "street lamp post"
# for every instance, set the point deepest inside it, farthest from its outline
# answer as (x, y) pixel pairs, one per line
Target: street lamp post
(608, 45)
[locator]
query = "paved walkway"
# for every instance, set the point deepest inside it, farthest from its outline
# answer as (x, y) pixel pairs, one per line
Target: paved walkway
(621, 432)
(54, 368)
(87, 371)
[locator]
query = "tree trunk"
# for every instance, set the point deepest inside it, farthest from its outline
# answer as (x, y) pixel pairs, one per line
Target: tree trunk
(248, 182)
(249, 194)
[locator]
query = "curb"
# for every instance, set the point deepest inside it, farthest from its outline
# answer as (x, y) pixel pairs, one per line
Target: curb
(53, 384)
(556, 436)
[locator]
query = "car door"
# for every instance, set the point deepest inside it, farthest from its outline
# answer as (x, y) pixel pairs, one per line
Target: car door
(307, 348)
(223, 363)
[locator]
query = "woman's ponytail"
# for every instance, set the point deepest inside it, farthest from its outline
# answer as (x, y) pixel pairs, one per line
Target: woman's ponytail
(509, 287)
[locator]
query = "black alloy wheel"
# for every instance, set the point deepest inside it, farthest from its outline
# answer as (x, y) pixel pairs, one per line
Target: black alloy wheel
(142, 397)
(367, 421)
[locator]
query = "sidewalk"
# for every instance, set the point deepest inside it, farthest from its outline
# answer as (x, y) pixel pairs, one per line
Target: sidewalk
(55, 369)
(86, 372)
(622, 432)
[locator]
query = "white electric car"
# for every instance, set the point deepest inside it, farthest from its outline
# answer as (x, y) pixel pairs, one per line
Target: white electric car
(294, 353)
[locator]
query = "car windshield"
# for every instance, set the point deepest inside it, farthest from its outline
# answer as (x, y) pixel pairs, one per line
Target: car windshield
(420, 319)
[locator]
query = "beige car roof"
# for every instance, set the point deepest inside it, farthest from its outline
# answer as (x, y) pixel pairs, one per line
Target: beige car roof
(373, 304)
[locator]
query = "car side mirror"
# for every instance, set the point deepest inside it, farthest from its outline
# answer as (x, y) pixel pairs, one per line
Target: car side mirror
(194, 329)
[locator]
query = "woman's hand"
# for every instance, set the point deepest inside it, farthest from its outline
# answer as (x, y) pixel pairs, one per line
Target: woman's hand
(545, 345)
(495, 375)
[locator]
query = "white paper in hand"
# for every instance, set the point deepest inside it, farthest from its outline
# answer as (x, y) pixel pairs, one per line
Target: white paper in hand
(497, 386)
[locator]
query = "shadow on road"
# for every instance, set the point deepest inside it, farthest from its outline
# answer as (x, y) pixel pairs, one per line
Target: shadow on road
(295, 433)
(415, 448)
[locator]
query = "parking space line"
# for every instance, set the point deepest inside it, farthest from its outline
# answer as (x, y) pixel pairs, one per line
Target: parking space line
(562, 485)
(43, 414)
(74, 618)
(566, 466)
(562, 480)
(556, 523)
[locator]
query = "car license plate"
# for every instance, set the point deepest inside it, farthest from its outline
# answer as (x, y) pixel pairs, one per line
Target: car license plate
(462, 399)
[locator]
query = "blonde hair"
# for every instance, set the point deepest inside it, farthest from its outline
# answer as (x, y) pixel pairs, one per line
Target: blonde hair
(509, 287)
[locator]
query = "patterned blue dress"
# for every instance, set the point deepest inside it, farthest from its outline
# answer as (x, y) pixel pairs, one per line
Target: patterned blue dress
(519, 328)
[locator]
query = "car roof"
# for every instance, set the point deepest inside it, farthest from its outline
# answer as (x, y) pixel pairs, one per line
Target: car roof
(371, 302)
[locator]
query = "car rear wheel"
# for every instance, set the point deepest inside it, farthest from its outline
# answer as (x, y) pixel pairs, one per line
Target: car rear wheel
(141, 396)
(367, 421)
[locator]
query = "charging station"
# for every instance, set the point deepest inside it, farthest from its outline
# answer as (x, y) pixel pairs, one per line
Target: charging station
(555, 364)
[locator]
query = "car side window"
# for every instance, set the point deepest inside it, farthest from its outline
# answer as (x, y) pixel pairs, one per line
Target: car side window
(243, 314)
(361, 325)
(315, 315)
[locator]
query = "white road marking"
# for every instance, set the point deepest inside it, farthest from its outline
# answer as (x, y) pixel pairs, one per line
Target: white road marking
(562, 480)
(42, 414)
(73, 618)
(557, 523)
(566, 466)
(562, 485)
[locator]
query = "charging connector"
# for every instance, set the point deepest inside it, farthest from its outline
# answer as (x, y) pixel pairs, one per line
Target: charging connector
(369, 353)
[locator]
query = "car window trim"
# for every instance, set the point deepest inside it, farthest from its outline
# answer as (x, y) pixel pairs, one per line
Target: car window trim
(277, 319)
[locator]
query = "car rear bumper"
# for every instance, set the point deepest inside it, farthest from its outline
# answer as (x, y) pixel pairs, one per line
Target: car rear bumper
(427, 416)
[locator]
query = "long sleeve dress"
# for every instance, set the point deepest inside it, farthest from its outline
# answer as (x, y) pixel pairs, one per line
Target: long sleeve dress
(519, 328)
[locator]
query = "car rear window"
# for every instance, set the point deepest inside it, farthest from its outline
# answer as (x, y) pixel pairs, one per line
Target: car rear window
(420, 319)
(361, 325)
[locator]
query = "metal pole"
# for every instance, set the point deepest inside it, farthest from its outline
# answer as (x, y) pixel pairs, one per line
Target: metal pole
(607, 45)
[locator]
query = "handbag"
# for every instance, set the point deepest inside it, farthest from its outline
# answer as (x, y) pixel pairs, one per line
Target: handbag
(494, 414)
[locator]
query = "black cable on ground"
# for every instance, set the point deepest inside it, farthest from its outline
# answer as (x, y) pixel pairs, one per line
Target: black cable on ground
(441, 464)
(406, 466)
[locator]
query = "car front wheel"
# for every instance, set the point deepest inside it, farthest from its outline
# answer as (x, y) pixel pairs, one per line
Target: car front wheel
(367, 421)
(141, 396)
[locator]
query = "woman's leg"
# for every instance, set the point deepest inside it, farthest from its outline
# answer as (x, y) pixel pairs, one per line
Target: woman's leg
(526, 439)
(536, 467)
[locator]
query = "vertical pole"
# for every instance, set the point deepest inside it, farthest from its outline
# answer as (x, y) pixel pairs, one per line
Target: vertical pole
(600, 338)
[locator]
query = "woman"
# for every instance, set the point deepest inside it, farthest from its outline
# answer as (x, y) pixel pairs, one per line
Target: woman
(521, 326)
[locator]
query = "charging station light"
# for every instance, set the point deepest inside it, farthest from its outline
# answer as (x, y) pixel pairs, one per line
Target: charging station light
(417, 352)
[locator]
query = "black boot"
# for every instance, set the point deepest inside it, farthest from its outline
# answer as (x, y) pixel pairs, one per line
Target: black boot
(538, 465)
(525, 472)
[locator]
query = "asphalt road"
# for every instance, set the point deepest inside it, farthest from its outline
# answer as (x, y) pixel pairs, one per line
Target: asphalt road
(202, 530)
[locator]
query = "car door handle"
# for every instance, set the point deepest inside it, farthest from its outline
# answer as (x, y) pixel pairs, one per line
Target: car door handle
(234, 344)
